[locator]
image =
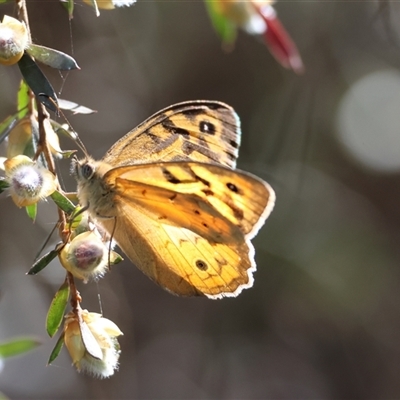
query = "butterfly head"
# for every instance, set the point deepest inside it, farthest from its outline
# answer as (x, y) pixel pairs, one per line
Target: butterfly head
(89, 177)
(83, 170)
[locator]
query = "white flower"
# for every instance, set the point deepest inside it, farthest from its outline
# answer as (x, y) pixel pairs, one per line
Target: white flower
(92, 343)
(28, 181)
(13, 40)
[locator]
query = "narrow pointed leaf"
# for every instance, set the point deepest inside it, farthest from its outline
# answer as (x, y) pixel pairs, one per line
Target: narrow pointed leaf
(38, 82)
(6, 126)
(57, 348)
(68, 153)
(74, 107)
(63, 202)
(69, 6)
(115, 258)
(3, 185)
(64, 130)
(225, 28)
(17, 346)
(76, 218)
(51, 57)
(31, 210)
(43, 262)
(57, 308)
(23, 99)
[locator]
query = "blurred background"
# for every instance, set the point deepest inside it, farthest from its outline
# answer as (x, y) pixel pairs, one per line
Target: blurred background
(323, 317)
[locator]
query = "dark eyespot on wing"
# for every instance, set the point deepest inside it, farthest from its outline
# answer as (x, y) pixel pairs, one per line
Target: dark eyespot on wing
(169, 176)
(201, 265)
(232, 187)
(207, 127)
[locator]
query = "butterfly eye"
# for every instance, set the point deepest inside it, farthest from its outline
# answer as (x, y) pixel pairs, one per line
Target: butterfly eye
(87, 171)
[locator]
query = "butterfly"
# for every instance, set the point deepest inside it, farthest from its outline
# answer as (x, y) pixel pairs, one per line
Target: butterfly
(169, 194)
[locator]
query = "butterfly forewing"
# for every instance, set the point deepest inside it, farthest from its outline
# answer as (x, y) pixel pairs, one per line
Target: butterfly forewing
(182, 210)
(205, 131)
(205, 190)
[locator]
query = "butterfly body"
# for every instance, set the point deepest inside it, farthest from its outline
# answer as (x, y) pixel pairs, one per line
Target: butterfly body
(185, 218)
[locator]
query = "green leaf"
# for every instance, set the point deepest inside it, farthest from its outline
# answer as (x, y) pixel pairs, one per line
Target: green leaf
(7, 125)
(225, 28)
(63, 129)
(31, 210)
(69, 6)
(51, 57)
(74, 107)
(57, 308)
(18, 346)
(57, 348)
(43, 262)
(115, 258)
(67, 153)
(63, 202)
(38, 82)
(76, 219)
(3, 185)
(23, 99)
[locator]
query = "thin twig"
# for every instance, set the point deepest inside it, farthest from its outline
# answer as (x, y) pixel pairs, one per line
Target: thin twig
(23, 16)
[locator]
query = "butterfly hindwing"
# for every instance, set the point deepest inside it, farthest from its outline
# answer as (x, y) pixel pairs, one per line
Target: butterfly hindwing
(179, 259)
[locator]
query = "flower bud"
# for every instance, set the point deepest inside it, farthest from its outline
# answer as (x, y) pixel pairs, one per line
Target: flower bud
(28, 181)
(85, 256)
(13, 40)
(92, 343)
